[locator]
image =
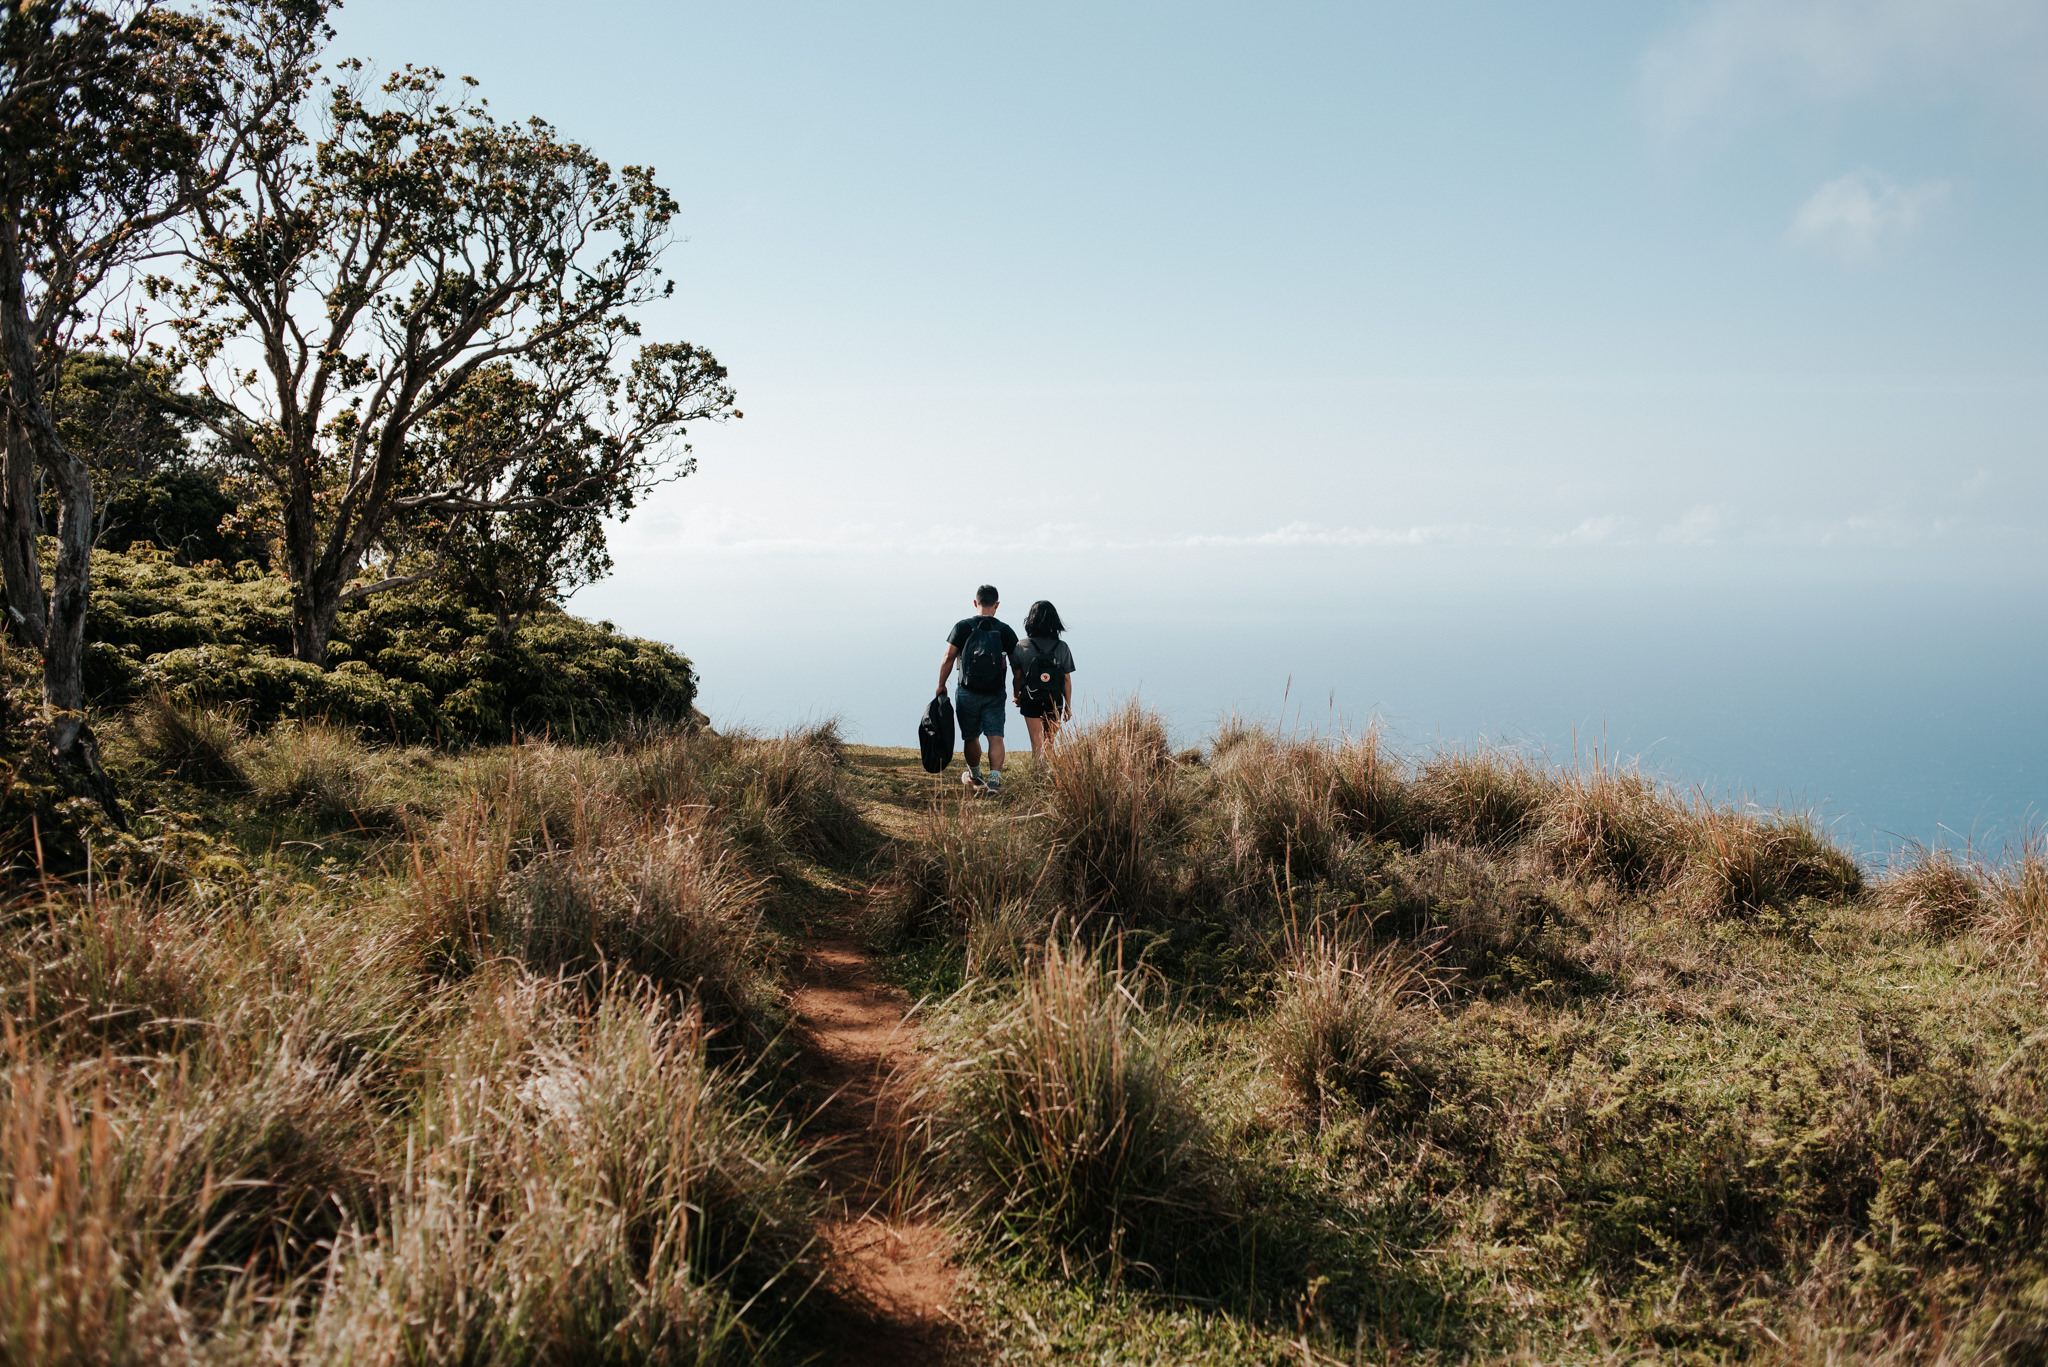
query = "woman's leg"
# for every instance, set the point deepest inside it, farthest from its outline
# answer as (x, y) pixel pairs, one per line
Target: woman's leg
(1038, 739)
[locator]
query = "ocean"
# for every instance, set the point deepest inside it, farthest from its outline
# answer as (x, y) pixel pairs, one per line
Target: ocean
(1899, 714)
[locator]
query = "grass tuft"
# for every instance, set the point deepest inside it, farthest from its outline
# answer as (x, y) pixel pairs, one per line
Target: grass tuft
(1112, 806)
(1741, 863)
(1345, 1021)
(202, 745)
(1935, 892)
(1071, 1132)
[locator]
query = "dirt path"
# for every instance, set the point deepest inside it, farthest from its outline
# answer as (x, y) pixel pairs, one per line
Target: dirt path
(892, 1268)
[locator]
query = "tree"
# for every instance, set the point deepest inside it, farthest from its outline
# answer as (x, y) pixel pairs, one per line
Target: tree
(109, 114)
(535, 531)
(367, 308)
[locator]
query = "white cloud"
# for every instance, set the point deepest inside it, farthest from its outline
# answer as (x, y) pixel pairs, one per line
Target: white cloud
(1736, 59)
(727, 534)
(1857, 217)
(1315, 534)
(1592, 531)
(1701, 526)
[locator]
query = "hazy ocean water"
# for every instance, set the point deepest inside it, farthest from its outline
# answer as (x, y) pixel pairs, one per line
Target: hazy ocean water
(1897, 714)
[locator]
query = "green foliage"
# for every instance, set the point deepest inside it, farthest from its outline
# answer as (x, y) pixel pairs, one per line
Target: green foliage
(186, 512)
(409, 665)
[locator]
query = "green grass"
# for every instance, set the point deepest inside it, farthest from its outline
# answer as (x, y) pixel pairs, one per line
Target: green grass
(1500, 1061)
(1289, 1049)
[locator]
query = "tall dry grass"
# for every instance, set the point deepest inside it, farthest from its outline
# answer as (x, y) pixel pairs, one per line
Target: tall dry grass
(1489, 797)
(1935, 891)
(202, 745)
(1603, 821)
(1299, 802)
(2018, 895)
(1065, 1122)
(970, 869)
(578, 1185)
(1742, 862)
(1349, 1021)
(494, 1107)
(1113, 808)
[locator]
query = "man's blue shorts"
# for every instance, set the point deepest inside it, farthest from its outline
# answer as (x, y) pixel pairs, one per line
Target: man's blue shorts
(980, 714)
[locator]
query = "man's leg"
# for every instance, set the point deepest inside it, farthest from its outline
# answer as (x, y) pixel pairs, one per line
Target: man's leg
(970, 745)
(995, 754)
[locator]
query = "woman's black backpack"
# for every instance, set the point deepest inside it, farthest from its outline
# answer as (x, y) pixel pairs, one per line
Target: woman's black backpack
(1041, 681)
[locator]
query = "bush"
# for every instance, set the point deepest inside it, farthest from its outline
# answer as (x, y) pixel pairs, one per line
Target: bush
(407, 665)
(1070, 1133)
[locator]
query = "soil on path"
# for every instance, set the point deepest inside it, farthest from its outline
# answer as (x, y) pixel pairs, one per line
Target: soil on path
(891, 1263)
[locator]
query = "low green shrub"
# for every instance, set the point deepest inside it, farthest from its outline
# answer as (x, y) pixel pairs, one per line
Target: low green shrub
(411, 665)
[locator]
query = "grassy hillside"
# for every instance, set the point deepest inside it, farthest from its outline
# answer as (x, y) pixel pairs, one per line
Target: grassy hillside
(1287, 1049)
(1294, 1047)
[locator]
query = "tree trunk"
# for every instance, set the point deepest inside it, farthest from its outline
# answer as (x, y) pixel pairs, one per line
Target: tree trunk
(71, 740)
(314, 607)
(20, 570)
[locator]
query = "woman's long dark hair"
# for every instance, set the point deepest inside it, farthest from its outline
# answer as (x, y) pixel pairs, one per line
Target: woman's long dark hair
(1043, 620)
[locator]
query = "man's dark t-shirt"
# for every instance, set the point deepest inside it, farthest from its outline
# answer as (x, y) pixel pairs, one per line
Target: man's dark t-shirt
(957, 638)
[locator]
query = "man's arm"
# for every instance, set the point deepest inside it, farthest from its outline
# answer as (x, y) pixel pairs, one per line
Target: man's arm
(946, 666)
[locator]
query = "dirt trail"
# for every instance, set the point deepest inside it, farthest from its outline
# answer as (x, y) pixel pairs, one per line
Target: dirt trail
(892, 1267)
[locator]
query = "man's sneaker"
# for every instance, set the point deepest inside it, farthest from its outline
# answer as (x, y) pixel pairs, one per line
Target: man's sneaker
(995, 782)
(972, 780)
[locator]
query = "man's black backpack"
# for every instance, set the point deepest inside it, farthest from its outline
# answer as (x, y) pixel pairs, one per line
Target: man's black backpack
(1041, 681)
(981, 658)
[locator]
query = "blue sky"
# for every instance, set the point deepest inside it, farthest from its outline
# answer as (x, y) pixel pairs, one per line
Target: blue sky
(1246, 278)
(1231, 312)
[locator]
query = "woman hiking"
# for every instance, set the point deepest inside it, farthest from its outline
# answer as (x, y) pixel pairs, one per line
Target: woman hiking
(1042, 677)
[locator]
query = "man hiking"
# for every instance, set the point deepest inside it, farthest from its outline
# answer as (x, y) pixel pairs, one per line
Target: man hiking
(982, 645)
